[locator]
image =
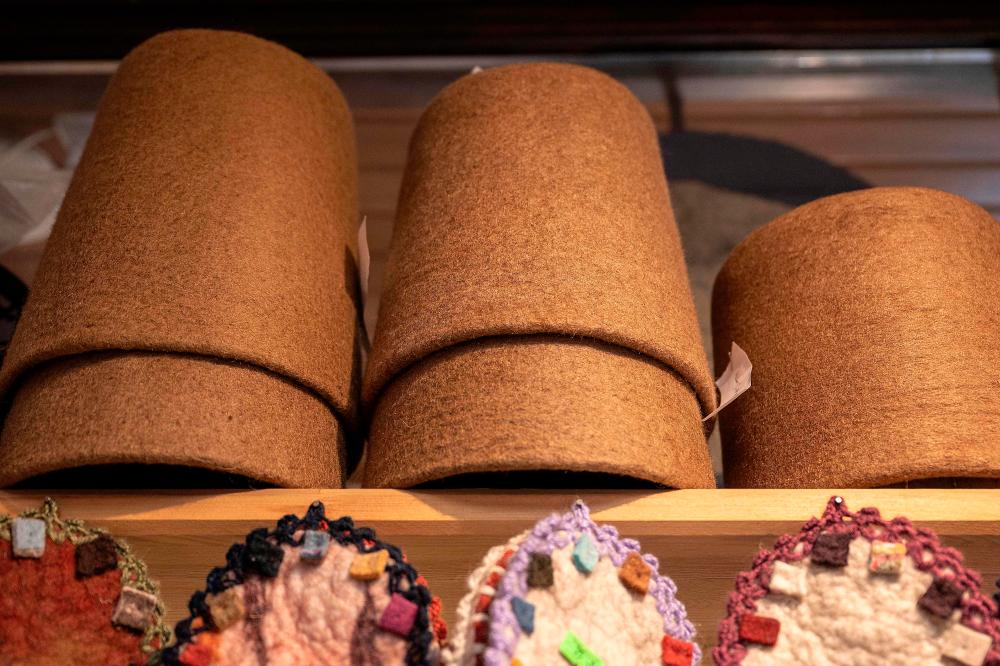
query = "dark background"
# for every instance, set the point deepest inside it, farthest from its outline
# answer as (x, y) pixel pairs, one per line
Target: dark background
(63, 29)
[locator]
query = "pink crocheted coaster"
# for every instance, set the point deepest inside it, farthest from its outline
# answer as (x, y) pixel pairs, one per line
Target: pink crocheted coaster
(313, 590)
(853, 589)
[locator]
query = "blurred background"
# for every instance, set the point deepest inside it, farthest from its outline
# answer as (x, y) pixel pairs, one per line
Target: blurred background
(760, 107)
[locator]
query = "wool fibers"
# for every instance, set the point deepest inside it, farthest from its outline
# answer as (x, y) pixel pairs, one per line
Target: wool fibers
(537, 313)
(196, 304)
(873, 322)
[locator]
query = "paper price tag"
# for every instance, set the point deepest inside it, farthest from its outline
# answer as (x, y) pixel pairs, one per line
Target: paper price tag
(735, 381)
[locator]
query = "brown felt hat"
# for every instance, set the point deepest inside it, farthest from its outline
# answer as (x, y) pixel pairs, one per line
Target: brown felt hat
(873, 323)
(196, 303)
(534, 204)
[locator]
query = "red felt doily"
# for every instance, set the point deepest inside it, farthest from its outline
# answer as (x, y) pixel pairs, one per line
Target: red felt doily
(49, 616)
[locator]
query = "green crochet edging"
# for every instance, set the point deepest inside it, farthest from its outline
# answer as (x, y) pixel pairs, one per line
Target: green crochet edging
(134, 572)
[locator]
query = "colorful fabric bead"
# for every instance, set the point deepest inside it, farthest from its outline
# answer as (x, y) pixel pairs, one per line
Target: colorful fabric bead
(941, 598)
(398, 616)
(965, 645)
(226, 608)
(369, 566)
(134, 609)
(887, 557)
(525, 614)
(197, 654)
(28, 537)
(540, 571)
(676, 652)
(787, 579)
(759, 629)
(575, 652)
(634, 573)
(315, 544)
(263, 556)
(97, 556)
(585, 554)
(831, 549)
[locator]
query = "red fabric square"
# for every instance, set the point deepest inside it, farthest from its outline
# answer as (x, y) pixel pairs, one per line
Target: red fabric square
(759, 629)
(676, 652)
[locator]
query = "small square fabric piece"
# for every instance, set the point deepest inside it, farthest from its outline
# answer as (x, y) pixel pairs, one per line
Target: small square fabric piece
(965, 645)
(27, 536)
(398, 616)
(263, 556)
(759, 629)
(676, 652)
(525, 614)
(540, 571)
(634, 573)
(941, 598)
(585, 554)
(788, 579)
(226, 608)
(134, 609)
(369, 566)
(887, 557)
(315, 544)
(97, 556)
(575, 652)
(831, 549)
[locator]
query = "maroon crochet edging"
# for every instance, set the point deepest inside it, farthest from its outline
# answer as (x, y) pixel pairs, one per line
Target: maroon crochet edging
(922, 545)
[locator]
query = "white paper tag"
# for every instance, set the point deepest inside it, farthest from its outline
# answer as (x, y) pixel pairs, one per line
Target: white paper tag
(364, 266)
(735, 381)
(364, 259)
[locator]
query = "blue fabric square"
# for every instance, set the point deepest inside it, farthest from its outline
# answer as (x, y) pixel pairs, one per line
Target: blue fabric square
(315, 543)
(28, 537)
(585, 554)
(525, 614)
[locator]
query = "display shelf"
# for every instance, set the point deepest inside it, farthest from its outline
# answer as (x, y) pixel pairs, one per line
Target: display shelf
(702, 537)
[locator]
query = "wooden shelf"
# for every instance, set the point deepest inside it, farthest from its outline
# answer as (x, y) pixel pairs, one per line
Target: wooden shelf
(702, 537)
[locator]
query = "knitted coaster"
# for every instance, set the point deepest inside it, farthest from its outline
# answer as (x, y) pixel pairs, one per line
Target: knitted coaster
(571, 591)
(311, 591)
(72, 594)
(853, 589)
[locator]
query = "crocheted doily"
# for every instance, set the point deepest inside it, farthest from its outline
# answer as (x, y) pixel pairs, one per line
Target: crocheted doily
(570, 591)
(853, 589)
(311, 591)
(73, 594)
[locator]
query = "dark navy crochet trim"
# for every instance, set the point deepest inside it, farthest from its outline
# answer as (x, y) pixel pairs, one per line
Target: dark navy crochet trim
(343, 532)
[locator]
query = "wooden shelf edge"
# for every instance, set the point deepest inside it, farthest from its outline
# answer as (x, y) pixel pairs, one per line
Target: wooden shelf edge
(678, 506)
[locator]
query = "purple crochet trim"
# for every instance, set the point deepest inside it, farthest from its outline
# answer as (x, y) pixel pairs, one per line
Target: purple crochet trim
(557, 532)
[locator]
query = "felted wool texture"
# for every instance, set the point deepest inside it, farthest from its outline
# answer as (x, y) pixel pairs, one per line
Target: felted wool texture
(872, 320)
(213, 213)
(463, 648)
(576, 595)
(193, 411)
(50, 614)
(584, 605)
(534, 202)
(311, 614)
(282, 602)
(67, 621)
(850, 617)
(536, 403)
